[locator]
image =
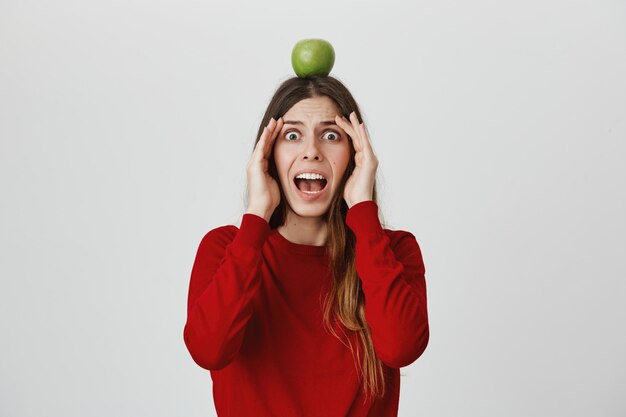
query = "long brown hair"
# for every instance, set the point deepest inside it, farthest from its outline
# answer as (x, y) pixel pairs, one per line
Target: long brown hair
(345, 302)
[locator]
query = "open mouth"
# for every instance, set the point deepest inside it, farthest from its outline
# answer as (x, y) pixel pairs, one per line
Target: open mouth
(310, 183)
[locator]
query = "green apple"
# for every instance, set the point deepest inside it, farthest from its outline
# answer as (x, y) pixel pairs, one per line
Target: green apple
(312, 57)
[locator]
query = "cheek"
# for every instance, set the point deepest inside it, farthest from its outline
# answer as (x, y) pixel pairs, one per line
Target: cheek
(282, 160)
(278, 157)
(340, 161)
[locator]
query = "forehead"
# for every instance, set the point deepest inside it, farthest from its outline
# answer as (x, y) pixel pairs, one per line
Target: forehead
(313, 108)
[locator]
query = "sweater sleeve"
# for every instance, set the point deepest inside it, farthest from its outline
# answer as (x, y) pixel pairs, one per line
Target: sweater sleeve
(223, 282)
(394, 286)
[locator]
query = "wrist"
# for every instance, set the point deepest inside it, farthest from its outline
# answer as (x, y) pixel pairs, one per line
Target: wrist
(352, 203)
(259, 212)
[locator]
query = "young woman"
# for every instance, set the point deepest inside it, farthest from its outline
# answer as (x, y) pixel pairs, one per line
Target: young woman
(310, 307)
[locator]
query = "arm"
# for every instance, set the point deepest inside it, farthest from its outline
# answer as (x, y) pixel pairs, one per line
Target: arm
(224, 280)
(394, 287)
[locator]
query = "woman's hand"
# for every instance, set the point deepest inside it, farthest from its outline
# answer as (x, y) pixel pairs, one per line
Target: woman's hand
(263, 191)
(360, 186)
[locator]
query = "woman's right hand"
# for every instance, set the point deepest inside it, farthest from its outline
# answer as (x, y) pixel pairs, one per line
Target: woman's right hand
(263, 191)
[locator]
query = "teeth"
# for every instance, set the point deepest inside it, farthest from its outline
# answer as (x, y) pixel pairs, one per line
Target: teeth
(310, 176)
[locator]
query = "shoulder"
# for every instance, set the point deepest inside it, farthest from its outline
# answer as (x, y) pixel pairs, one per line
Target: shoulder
(218, 237)
(222, 232)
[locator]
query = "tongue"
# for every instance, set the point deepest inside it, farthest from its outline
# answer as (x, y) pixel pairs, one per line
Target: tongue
(309, 185)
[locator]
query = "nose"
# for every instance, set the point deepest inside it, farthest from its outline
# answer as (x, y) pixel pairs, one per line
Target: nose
(311, 151)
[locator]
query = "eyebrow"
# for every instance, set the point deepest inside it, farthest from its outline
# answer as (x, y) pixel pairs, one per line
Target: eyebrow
(298, 122)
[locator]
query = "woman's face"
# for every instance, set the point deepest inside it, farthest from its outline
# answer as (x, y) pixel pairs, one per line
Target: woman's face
(311, 142)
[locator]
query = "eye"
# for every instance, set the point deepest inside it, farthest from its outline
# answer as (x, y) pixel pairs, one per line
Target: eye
(334, 136)
(289, 135)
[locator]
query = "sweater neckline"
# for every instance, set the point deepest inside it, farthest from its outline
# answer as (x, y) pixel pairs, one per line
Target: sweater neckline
(291, 247)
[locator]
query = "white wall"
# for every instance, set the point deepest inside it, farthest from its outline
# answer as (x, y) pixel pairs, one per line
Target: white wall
(500, 129)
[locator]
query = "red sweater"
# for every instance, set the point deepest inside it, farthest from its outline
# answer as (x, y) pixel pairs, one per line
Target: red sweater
(254, 319)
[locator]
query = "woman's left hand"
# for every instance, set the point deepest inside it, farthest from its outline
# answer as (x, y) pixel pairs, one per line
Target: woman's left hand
(360, 186)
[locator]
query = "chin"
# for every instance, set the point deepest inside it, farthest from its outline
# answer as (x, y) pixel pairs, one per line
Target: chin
(317, 209)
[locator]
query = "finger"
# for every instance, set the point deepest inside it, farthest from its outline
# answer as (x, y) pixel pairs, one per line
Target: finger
(355, 125)
(259, 150)
(264, 139)
(355, 120)
(257, 154)
(366, 139)
(277, 127)
(271, 137)
(343, 123)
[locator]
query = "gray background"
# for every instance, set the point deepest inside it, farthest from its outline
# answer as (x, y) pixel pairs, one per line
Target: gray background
(500, 129)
